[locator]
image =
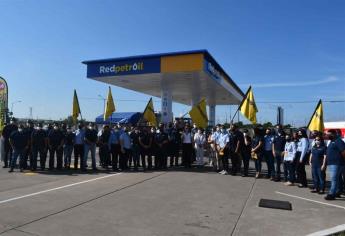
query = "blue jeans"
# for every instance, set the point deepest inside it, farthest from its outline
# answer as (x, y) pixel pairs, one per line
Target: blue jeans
(334, 173)
(258, 163)
(14, 158)
(270, 163)
(92, 149)
(68, 149)
(317, 177)
(341, 187)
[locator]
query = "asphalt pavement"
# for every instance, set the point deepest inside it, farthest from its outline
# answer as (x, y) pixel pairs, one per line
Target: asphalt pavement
(174, 202)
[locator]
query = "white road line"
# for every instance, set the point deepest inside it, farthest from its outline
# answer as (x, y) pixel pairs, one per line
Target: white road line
(330, 231)
(58, 188)
(310, 200)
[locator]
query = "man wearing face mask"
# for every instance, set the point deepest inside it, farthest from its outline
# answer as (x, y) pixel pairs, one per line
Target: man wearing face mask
(103, 141)
(135, 147)
(162, 141)
(39, 145)
(335, 159)
(187, 147)
(199, 144)
(268, 140)
(6, 133)
(278, 146)
(223, 143)
(115, 147)
(125, 142)
(145, 143)
(301, 158)
(236, 148)
(79, 135)
(68, 146)
(90, 140)
(19, 145)
(55, 143)
(28, 153)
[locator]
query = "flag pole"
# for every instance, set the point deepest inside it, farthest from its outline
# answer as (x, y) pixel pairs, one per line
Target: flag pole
(238, 108)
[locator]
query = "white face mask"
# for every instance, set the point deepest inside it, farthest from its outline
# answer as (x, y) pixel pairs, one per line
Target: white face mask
(317, 142)
(20, 130)
(39, 128)
(55, 127)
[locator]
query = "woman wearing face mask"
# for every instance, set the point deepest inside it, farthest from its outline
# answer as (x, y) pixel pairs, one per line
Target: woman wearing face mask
(246, 152)
(317, 162)
(290, 150)
(257, 151)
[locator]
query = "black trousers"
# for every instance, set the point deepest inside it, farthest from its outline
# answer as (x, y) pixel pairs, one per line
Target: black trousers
(246, 159)
(174, 152)
(8, 153)
(143, 154)
(187, 154)
(161, 158)
(104, 155)
(78, 155)
(59, 153)
(225, 161)
(42, 151)
(27, 157)
(124, 159)
(300, 169)
(115, 150)
(235, 162)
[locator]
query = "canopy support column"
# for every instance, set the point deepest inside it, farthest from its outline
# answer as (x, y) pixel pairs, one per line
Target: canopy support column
(212, 115)
(166, 105)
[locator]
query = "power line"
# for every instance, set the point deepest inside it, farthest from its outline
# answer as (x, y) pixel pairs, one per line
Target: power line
(291, 102)
(265, 102)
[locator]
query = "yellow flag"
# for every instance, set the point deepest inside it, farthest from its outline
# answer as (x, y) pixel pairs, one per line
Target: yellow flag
(76, 108)
(149, 113)
(199, 114)
(248, 107)
(109, 106)
(316, 121)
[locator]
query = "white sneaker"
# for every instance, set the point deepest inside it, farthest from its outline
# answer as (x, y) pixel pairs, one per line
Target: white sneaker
(221, 172)
(225, 172)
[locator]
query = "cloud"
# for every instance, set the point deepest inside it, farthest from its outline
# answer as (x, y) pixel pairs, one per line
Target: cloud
(329, 79)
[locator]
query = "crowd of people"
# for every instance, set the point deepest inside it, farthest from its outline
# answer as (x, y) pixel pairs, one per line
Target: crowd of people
(123, 148)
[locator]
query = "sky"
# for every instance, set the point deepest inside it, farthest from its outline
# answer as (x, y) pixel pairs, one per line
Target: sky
(291, 52)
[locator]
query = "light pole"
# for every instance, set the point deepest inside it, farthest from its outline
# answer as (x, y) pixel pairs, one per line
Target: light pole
(18, 101)
(104, 99)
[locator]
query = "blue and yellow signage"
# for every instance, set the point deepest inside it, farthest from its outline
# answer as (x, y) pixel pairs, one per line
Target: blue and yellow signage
(126, 67)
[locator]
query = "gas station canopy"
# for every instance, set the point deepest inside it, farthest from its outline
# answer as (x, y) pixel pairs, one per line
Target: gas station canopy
(183, 77)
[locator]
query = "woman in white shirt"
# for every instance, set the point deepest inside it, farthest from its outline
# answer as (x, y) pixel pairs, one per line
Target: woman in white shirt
(187, 147)
(199, 143)
(289, 158)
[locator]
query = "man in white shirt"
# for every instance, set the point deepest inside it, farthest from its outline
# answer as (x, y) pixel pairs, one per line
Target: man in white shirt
(223, 141)
(199, 143)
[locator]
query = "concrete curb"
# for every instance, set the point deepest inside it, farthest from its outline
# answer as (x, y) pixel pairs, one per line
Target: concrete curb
(330, 231)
